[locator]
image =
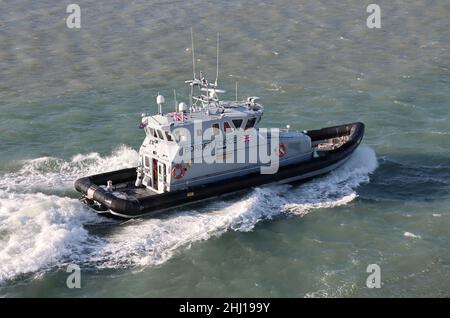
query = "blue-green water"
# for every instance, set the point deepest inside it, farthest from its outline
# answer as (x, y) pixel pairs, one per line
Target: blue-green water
(70, 103)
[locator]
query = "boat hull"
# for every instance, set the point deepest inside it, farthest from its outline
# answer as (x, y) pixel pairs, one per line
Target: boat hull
(109, 202)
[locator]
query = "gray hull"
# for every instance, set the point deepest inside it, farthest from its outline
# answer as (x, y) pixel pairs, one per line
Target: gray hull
(128, 201)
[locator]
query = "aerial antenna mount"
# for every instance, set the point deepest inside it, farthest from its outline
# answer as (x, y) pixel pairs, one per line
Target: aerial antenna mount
(217, 61)
(193, 53)
(175, 99)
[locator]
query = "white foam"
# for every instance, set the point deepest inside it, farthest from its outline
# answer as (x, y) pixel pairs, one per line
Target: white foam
(38, 231)
(47, 230)
(48, 174)
(335, 189)
(409, 234)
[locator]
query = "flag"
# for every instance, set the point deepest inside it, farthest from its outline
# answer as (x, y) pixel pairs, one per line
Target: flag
(143, 124)
(178, 116)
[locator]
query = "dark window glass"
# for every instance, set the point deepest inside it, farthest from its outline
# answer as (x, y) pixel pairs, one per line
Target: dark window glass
(227, 127)
(160, 134)
(216, 129)
(169, 136)
(237, 123)
(250, 123)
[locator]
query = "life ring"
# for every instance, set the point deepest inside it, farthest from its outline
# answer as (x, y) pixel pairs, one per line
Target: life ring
(282, 150)
(178, 171)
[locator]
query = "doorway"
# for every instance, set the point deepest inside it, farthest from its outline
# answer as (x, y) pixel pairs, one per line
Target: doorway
(155, 174)
(161, 177)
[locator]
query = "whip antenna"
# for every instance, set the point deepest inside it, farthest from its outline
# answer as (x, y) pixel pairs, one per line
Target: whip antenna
(175, 99)
(193, 52)
(217, 60)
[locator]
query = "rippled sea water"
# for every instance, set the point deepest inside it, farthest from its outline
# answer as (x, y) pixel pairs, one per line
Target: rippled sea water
(70, 103)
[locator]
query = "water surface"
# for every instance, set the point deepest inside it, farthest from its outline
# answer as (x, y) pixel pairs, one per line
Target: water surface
(70, 103)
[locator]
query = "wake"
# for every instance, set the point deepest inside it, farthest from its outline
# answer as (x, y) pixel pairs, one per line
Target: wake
(42, 228)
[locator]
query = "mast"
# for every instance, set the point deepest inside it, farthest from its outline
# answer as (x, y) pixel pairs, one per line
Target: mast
(202, 84)
(217, 61)
(193, 52)
(193, 69)
(175, 99)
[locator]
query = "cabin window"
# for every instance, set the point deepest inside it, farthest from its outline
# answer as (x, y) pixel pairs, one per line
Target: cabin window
(237, 123)
(169, 136)
(179, 135)
(147, 162)
(216, 129)
(152, 131)
(160, 134)
(227, 127)
(155, 134)
(250, 123)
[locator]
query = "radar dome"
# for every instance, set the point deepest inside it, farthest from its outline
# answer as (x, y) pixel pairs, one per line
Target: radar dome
(160, 99)
(182, 107)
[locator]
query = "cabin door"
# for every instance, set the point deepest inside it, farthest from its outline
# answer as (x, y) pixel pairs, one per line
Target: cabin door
(162, 178)
(147, 172)
(155, 174)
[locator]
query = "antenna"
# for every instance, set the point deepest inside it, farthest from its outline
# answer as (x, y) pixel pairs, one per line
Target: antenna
(193, 52)
(191, 102)
(217, 61)
(175, 99)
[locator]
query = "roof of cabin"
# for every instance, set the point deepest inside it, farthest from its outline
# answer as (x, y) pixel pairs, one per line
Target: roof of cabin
(226, 109)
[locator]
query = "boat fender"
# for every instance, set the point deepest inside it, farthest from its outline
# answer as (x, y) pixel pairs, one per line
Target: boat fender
(138, 182)
(90, 192)
(282, 150)
(140, 176)
(178, 171)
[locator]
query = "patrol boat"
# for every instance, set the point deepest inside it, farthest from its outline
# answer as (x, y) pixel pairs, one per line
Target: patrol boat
(212, 148)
